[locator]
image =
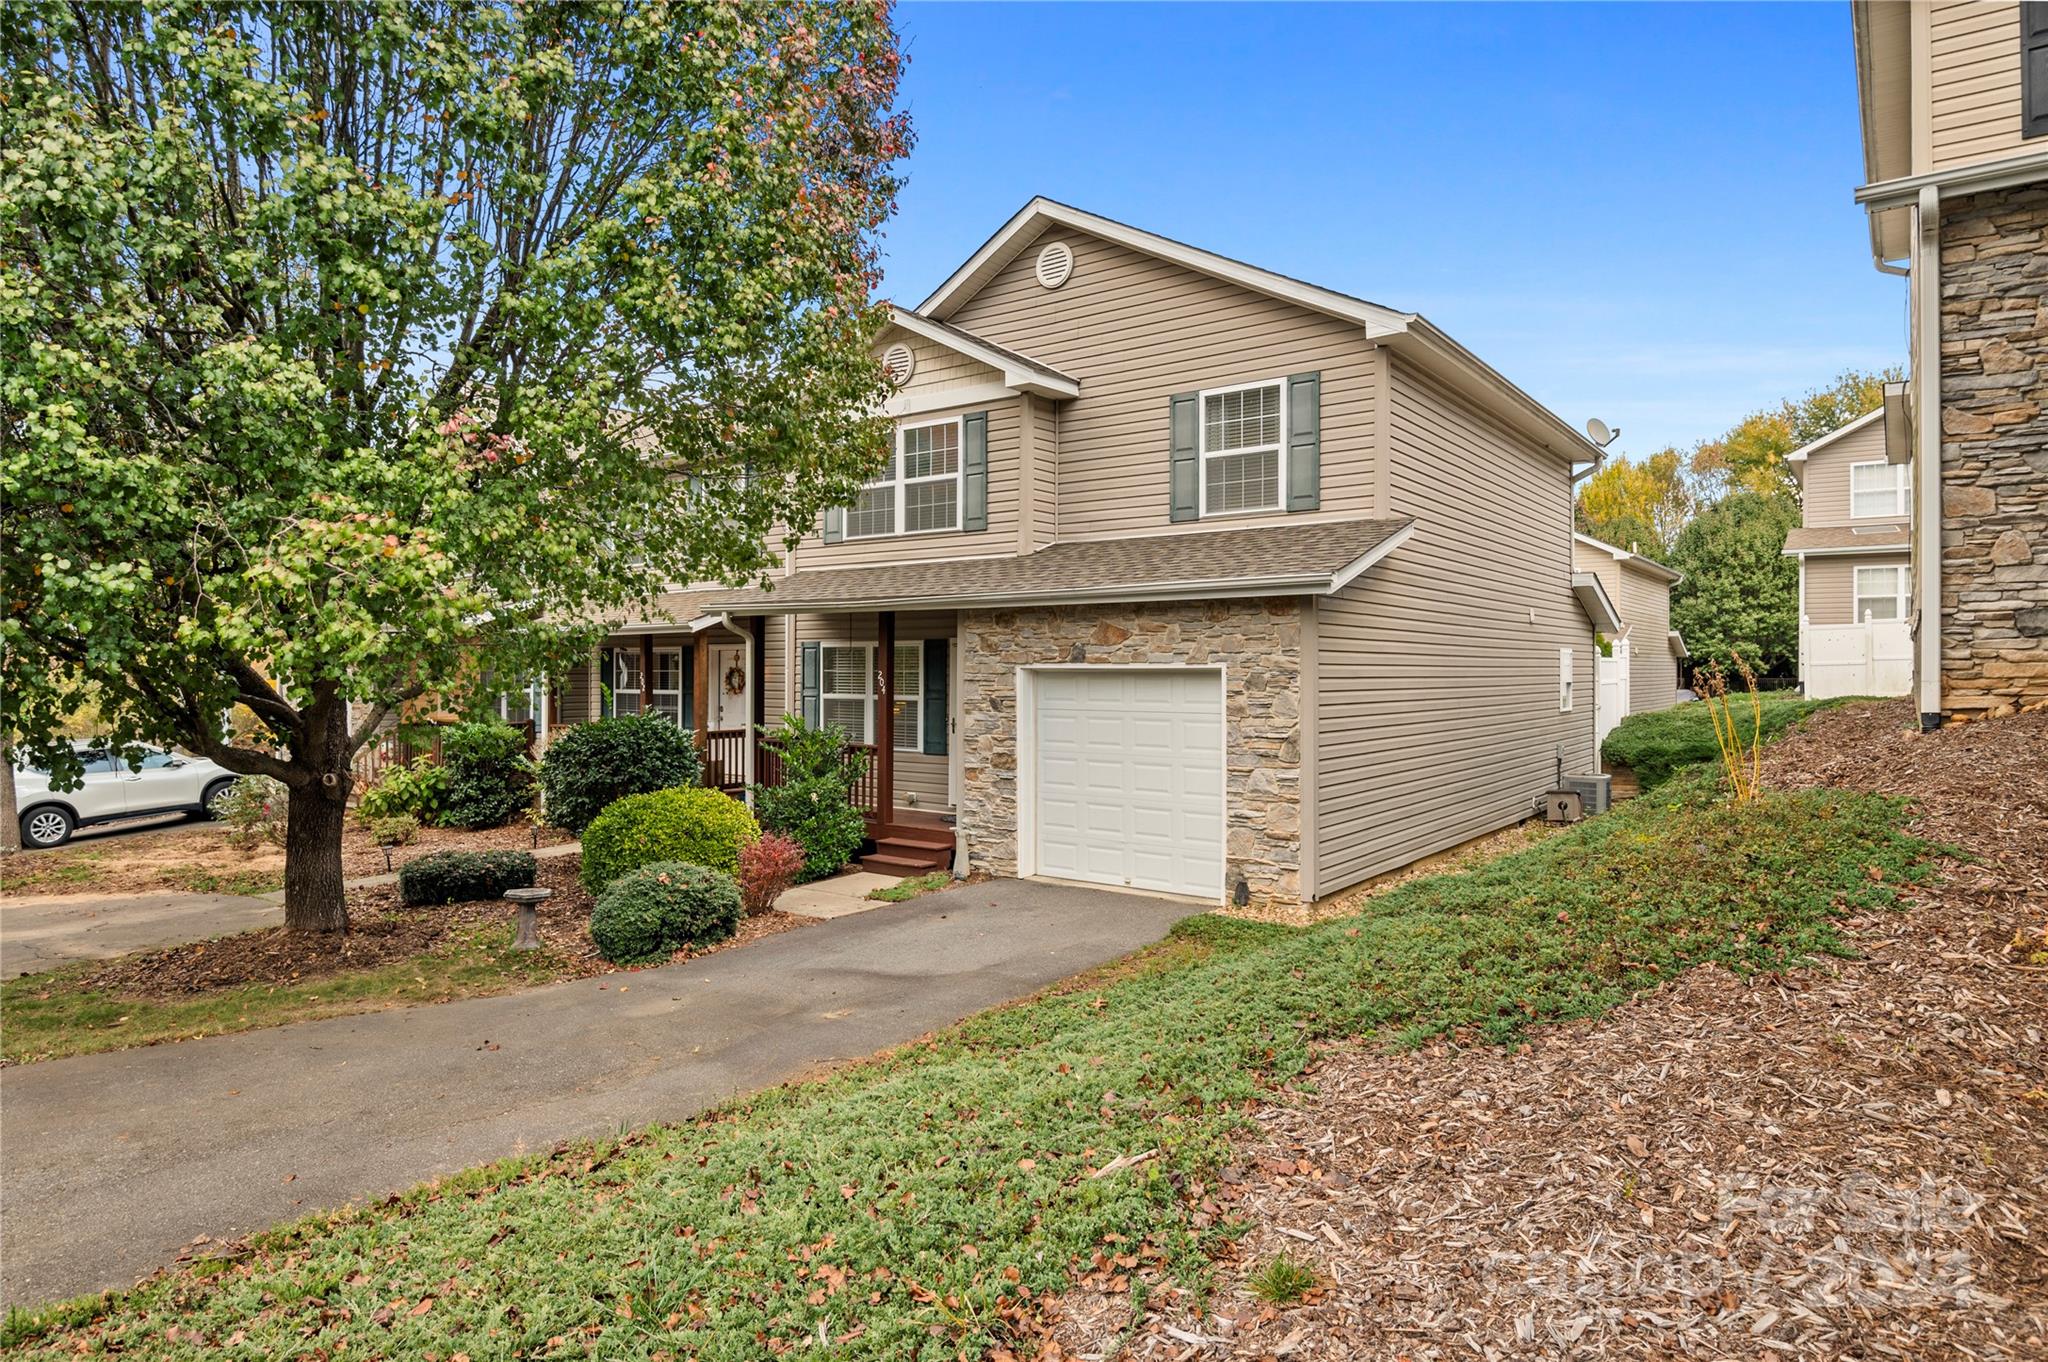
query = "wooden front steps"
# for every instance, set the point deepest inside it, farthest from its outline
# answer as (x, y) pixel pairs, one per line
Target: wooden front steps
(910, 844)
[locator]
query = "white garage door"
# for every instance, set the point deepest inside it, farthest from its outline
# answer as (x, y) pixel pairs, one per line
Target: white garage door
(1128, 777)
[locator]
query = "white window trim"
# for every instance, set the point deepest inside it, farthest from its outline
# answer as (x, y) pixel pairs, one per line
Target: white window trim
(898, 482)
(1857, 595)
(682, 718)
(1565, 679)
(867, 696)
(1203, 455)
(915, 698)
(1902, 494)
(632, 655)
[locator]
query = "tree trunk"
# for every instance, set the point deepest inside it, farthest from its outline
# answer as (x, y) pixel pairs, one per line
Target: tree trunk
(318, 810)
(10, 811)
(313, 899)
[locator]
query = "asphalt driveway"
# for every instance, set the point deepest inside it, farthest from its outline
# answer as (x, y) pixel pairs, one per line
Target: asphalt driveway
(112, 1163)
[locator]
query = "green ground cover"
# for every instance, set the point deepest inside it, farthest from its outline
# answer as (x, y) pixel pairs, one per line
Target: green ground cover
(1661, 743)
(918, 1205)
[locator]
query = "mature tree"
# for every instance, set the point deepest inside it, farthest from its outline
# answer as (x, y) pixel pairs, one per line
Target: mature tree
(1740, 593)
(356, 351)
(1751, 456)
(1638, 506)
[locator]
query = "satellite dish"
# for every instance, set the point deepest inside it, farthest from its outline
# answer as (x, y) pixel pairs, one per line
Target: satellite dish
(1599, 434)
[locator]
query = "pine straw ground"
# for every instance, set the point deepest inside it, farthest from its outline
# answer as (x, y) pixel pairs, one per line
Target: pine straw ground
(1846, 1161)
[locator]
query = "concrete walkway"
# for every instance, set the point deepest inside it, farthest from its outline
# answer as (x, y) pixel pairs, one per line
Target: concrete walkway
(112, 1163)
(50, 930)
(836, 897)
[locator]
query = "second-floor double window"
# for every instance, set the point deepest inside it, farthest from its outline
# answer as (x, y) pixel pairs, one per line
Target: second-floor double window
(1878, 489)
(1244, 437)
(920, 489)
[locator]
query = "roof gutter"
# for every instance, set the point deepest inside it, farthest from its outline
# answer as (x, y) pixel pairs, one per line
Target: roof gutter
(1904, 192)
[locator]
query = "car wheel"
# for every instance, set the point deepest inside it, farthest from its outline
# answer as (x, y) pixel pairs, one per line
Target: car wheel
(48, 826)
(215, 792)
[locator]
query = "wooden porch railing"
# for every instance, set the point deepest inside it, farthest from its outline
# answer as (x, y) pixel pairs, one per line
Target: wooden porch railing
(866, 789)
(404, 746)
(725, 759)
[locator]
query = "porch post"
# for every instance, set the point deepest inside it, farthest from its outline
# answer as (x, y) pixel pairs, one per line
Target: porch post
(757, 694)
(700, 695)
(647, 673)
(885, 708)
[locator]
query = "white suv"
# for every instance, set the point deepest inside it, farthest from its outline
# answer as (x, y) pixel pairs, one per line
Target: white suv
(168, 782)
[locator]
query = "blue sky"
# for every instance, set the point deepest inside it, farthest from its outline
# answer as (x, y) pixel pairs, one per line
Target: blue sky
(1637, 212)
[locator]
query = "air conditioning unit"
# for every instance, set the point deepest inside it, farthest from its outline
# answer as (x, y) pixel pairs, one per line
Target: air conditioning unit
(1594, 792)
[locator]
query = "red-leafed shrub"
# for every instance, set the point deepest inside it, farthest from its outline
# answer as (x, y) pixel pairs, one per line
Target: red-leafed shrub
(768, 867)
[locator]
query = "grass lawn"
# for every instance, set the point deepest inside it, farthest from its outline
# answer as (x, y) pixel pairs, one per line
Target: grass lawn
(47, 1018)
(920, 1205)
(1659, 744)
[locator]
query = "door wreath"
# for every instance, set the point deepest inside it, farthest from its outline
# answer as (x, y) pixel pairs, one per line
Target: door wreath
(735, 680)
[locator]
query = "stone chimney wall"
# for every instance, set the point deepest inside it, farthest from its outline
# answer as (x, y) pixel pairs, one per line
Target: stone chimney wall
(1994, 452)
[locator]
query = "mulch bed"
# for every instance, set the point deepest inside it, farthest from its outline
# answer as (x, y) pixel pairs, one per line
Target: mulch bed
(382, 931)
(1848, 1160)
(165, 859)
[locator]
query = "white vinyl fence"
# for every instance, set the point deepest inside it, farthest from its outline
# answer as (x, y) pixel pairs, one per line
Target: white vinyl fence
(1871, 658)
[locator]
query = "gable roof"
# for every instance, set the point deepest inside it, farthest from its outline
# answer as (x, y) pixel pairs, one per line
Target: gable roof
(1799, 455)
(1629, 558)
(1019, 371)
(1265, 560)
(1408, 333)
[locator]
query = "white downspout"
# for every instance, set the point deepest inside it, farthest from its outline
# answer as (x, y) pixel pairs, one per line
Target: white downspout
(1926, 357)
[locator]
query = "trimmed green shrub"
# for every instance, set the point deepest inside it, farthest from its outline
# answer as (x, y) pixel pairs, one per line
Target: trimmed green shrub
(395, 831)
(593, 766)
(463, 876)
(659, 909)
(415, 790)
(698, 827)
(489, 776)
(256, 809)
(813, 806)
(1658, 744)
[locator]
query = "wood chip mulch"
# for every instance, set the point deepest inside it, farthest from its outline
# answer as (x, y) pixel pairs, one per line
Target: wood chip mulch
(1845, 1161)
(383, 931)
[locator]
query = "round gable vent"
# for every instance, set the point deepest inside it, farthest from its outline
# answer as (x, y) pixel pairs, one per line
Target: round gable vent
(1055, 264)
(898, 363)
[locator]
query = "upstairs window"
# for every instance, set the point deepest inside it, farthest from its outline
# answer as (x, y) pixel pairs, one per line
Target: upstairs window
(1243, 433)
(1877, 489)
(919, 490)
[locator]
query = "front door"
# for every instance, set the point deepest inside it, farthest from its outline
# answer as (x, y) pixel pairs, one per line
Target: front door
(729, 686)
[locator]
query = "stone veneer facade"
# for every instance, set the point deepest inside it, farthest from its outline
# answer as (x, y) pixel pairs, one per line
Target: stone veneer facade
(1260, 643)
(1994, 451)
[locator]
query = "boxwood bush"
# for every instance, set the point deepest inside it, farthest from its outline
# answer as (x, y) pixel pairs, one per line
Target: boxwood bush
(593, 766)
(463, 876)
(697, 827)
(659, 909)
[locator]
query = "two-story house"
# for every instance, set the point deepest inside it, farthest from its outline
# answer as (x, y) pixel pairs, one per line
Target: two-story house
(1185, 576)
(1954, 97)
(1637, 669)
(1855, 507)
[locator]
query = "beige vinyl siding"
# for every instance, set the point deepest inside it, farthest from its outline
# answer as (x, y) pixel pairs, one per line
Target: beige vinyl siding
(935, 367)
(1831, 584)
(1973, 105)
(1605, 566)
(777, 693)
(1437, 714)
(578, 692)
(1038, 500)
(1824, 490)
(1005, 445)
(922, 781)
(1645, 605)
(1134, 330)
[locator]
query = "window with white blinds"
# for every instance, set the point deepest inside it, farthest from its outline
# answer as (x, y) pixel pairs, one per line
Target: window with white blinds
(1877, 489)
(846, 689)
(1243, 434)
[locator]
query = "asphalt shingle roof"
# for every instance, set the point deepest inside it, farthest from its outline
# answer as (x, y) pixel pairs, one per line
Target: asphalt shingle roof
(1875, 538)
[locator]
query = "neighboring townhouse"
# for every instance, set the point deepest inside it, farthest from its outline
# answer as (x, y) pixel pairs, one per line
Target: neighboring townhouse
(1637, 669)
(1855, 507)
(1954, 97)
(1184, 576)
